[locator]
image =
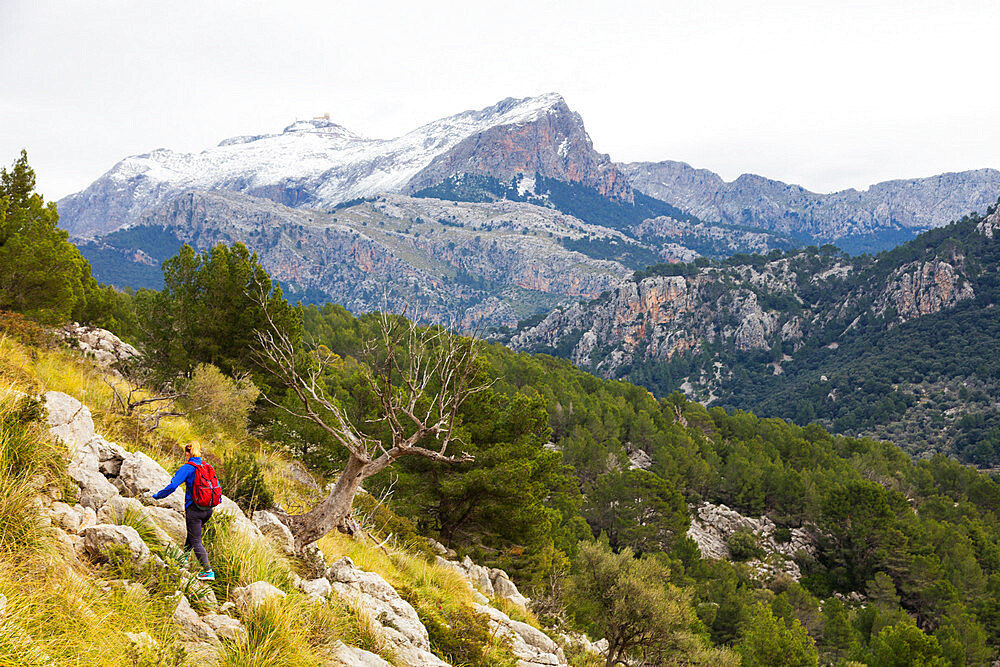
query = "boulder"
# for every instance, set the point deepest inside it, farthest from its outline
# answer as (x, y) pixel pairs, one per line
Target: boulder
(531, 646)
(479, 576)
(96, 539)
(352, 656)
(225, 626)
(140, 475)
(69, 419)
(190, 625)
(95, 489)
(116, 509)
(170, 520)
(104, 346)
(397, 619)
(316, 589)
(240, 520)
(503, 587)
(257, 593)
(65, 517)
(272, 528)
(109, 456)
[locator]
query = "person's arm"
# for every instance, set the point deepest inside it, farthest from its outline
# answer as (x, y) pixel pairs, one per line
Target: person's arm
(179, 478)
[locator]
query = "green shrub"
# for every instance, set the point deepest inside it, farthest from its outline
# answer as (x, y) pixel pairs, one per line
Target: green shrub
(242, 479)
(214, 399)
(782, 534)
(462, 636)
(744, 545)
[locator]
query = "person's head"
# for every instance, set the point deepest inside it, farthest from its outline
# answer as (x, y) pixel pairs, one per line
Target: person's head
(193, 448)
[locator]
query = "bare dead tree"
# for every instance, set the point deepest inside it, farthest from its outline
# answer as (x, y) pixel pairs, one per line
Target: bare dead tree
(420, 377)
(149, 410)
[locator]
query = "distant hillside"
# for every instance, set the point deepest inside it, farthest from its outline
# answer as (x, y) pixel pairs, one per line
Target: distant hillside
(902, 346)
(879, 217)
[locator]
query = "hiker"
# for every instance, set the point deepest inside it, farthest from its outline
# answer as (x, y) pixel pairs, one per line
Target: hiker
(202, 485)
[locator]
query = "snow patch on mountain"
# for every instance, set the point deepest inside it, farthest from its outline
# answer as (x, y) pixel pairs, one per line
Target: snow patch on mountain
(314, 163)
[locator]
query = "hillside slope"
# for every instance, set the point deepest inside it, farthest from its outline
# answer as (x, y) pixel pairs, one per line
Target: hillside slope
(813, 336)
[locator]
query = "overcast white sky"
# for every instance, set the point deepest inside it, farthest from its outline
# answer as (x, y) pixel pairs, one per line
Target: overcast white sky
(825, 94)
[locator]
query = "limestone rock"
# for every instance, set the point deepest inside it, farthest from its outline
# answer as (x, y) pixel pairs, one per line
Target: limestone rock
(397, 619)
(505, 588)
(72, 518)
(255, 594)
(479, 576)
(352, 656)
(275, 530)
(712, 524)
(316, 589)
(95, 489)
(532, 647)
(116, 509)
(102, 536)
(103, 345)
(225, 626)
(240, 520)
(190, 625)
(923, 288)
(140, 475)
(69, 419)
(170, 520)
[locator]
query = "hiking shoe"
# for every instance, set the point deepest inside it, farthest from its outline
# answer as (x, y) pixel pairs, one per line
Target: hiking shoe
(206, 576)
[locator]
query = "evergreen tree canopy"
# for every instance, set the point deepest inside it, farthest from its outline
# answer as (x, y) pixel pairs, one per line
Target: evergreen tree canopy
(42, 274)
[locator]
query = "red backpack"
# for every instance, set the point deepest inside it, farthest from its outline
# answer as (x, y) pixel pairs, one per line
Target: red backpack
(205, 491)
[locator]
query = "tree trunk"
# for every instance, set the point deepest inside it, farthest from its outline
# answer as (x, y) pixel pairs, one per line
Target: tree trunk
(334, 510)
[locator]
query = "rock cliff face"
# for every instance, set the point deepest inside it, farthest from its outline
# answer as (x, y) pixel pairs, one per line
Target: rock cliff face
(554, 144)
(922, 288)
(732, 311)
(763, 203)
(654, 319)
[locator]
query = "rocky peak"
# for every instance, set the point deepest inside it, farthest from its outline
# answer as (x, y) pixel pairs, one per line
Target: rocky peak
(534, 135)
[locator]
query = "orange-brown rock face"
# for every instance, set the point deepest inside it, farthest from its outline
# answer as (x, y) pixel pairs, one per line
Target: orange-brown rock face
(922, 288)
(555, 145)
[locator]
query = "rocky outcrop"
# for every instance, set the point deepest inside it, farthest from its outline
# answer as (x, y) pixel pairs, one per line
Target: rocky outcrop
(396, 619)
(105, 347)
(272, 528)
(492, 582)
(553, 143)
(712, 524)
(651, 320)
(99, 539)
(531, 646)
(923, 288)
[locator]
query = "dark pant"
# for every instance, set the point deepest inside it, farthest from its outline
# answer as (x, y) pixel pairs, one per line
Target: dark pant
(194, 519)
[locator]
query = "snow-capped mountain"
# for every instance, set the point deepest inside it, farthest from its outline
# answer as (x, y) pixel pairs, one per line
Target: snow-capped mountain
(318, 164)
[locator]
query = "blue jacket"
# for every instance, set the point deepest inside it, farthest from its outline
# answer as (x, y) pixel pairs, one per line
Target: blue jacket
(185, 476)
